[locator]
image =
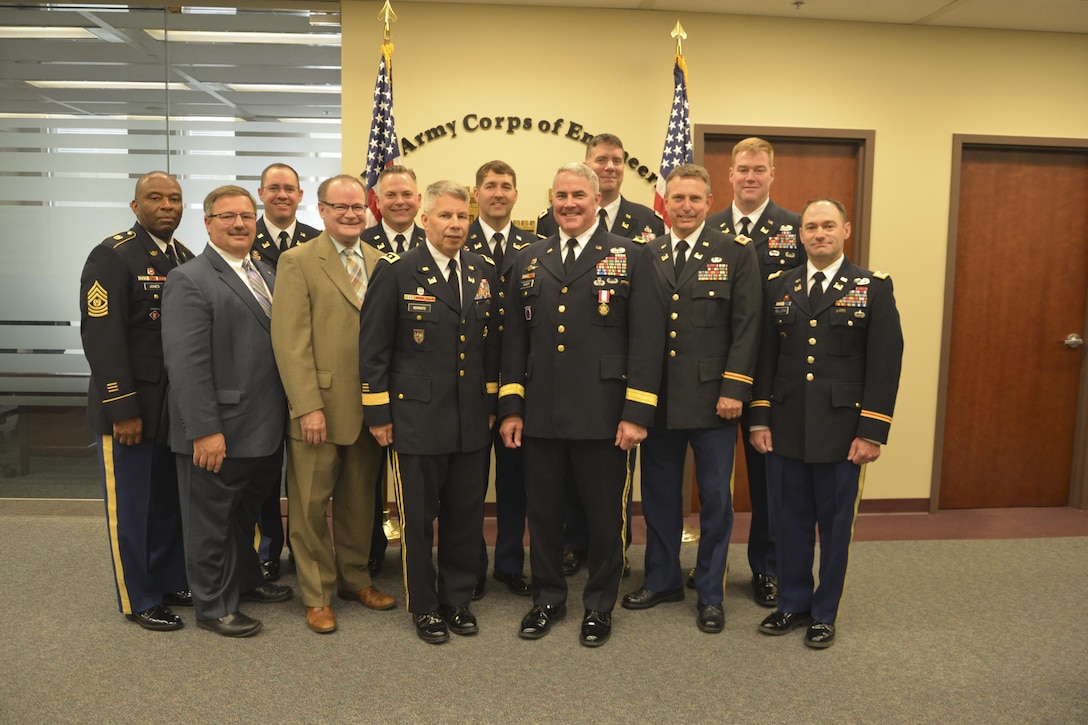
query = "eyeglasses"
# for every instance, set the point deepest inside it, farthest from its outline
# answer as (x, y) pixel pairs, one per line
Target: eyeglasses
(342, 209)
(228, 217)
(276, 188)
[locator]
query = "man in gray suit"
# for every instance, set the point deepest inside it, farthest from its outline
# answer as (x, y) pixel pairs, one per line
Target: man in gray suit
(227, 411)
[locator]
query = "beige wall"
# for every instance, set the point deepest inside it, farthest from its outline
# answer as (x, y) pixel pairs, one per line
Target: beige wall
(915, 87)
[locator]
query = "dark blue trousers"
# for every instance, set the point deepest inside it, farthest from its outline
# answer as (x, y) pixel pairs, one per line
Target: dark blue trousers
(509, 509)
(807, 496)
(143, 519)
(663, 454)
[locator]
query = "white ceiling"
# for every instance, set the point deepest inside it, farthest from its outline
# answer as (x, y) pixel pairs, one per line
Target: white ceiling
(1063, 16)
(205, 77)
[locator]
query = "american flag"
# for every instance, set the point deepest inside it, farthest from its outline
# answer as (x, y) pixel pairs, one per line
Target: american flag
(382, 146)
(678, 147)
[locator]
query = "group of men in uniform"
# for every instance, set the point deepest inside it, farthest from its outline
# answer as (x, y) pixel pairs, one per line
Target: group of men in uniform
(561, 353)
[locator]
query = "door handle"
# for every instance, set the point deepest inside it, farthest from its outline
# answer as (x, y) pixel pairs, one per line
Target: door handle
(1073, 341)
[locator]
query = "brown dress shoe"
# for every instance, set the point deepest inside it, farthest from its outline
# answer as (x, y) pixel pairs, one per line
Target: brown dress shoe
(371, 597)
(321, 619)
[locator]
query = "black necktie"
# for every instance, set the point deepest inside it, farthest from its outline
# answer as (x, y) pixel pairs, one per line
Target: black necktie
(816, 293)
(285, 243)
(497, 256)
(744, 222)
(399, 242)
(568, 262)
(452, 279)
(172, 253)
(603, 218)
(681, 257)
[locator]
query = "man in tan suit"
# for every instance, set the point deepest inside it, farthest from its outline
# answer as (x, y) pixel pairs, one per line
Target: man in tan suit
(330, 453)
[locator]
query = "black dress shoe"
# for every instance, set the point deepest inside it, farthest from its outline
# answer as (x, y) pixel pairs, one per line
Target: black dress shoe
(820, 635)
(782, 622)
(691, 578)
(268, 593)
(158, 618)
(479, 590)
(431, 628)
(516, 583)
(711, 618)
(270, 570)
(538, 621)
(232, 625)
(596, 628)
(643, 598)
(180, 598)
(460, 620)
(765, 590)
(572, 561)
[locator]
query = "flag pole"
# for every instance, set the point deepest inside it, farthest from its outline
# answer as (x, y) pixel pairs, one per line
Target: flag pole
(382, 151)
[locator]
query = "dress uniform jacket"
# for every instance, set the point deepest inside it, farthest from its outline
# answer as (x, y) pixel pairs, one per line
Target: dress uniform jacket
(829, 375)
(713, 328)
(774, 238)
(519, 240)
(582, 351)
(267, 248)
(632, 220)
(421, 353)
(375, 237)
(120, 299)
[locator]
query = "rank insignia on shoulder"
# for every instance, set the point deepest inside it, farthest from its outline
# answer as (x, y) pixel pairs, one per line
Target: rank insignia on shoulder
(488, 259)
(122, 237)
(880, 275)
(98, 301)
(391, 257)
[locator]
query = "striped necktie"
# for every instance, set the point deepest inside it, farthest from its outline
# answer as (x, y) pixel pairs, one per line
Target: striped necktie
(355, 272)
(257, 285)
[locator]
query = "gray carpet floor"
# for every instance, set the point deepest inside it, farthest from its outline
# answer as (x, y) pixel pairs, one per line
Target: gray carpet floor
(929, 632)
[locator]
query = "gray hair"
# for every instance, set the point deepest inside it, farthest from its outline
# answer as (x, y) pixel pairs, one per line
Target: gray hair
(443, 188)
(579, 169)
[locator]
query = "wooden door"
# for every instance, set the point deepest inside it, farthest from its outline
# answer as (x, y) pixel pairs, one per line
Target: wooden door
(808, 164)
(1021, 272)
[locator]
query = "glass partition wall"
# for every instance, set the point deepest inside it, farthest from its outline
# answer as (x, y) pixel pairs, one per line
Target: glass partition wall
(92, 97)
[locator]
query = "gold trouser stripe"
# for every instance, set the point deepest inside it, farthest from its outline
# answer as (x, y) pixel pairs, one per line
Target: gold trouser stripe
(376, 398)
(398, 492)
(111, 521)
(857, 504)
(492, 388)
(627, 482)
(641, 396)
(512, 389)
(257, 538)
(119, 397)
(732, 486)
